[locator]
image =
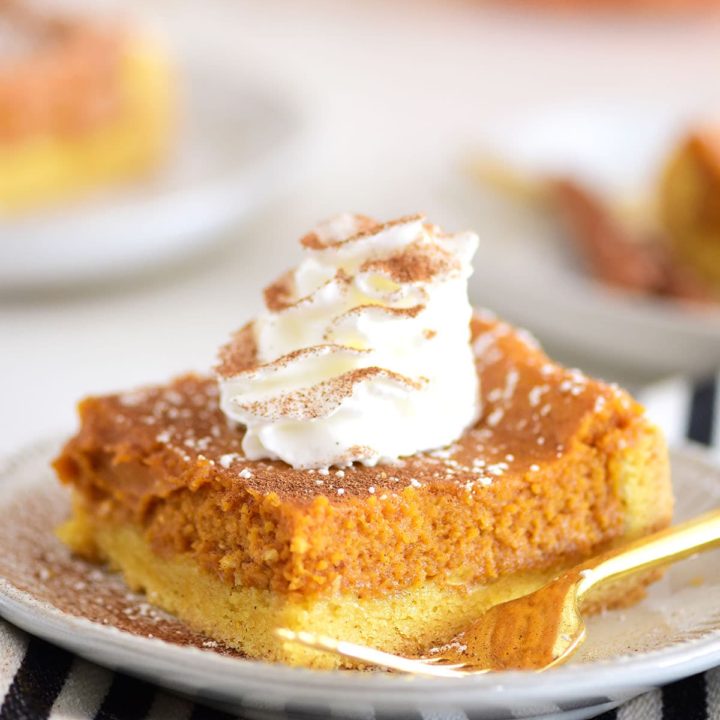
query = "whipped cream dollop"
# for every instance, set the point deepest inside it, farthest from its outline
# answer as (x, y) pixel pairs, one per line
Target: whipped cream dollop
(364, 351)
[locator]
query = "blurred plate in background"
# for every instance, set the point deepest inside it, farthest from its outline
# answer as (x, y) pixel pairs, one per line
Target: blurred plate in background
(526, 270)
(237, 144)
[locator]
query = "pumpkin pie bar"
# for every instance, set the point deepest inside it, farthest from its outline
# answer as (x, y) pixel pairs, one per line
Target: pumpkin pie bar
(82, 103)
(399, 554)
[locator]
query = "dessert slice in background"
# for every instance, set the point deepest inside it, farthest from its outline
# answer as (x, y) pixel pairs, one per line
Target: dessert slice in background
(546, 466)
(665, 242)
(638, 260)
(83, 103)
(690, 202)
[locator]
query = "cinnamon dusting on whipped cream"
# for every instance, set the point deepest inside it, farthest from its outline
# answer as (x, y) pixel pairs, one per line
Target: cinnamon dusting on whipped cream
(369, 309)
(415, 264)
(239, 355)
(364, 351)
(344, 229)
(278, 295)
(321, 399)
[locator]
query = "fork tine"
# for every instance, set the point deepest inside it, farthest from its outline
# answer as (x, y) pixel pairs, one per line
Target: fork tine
(369, 655)
(432, 660)
(443, 662)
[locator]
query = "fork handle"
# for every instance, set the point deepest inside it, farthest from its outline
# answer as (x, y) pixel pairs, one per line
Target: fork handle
(688, 538)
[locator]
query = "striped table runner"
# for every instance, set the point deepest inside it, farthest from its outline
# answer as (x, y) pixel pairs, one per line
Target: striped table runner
(39, 681)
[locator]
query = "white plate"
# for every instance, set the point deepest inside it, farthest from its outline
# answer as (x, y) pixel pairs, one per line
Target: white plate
(525, 269)
(238, 142)
(675, 632)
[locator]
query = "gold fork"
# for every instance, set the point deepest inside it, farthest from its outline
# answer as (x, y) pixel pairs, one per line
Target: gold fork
(539, 630)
